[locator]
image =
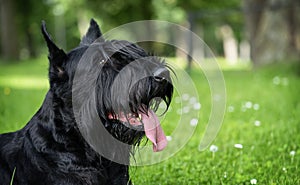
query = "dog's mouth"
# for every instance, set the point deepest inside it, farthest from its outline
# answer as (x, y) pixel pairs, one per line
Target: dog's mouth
(150, 124)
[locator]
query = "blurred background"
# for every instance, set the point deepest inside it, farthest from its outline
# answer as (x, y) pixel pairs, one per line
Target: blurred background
(260, 31)
(256, 44)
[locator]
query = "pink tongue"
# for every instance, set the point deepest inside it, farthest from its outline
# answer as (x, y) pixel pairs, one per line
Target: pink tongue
(152, 128)
(154, 131)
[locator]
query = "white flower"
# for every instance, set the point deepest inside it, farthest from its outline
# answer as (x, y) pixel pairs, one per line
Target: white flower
(239, 146)
(230, 108)
(256, 106)
(276, 80)
(257, 123)
(248, 104)
(292, 153)
(169, 138)
(225, 175)
(253, 181)
(185, 97)
(213, 148)
(194, 122)
(197, 106)
(185, 109)
(284, 169)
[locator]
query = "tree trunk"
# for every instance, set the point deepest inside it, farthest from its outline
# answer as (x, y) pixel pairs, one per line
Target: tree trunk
(9, 36)
(272, 30)
(229, 44)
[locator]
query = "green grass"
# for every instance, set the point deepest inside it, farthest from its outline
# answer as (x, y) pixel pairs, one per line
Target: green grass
(13, 175)
(266, 154)
(22, 89)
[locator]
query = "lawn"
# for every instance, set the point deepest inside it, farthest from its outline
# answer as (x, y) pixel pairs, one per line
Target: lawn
(259, 142)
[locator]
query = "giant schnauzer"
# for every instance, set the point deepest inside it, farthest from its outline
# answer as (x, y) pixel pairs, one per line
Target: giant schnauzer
(102, 101)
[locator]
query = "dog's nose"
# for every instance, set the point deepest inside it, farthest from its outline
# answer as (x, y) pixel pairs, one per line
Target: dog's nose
(160, 74)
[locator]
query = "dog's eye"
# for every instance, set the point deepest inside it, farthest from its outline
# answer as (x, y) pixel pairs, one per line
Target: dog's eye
(160, 74)
(158, 78)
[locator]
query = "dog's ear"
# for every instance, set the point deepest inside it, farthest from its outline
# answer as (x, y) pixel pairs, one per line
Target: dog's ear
(56, 56)
(92, 34)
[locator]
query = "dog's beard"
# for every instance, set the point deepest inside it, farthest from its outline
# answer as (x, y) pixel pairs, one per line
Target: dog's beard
(148, 122)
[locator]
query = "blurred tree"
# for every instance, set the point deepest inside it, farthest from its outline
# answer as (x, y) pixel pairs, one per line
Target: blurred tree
(209, 16)
(273, 30)
(68, 20)
(20, 28)
(28, 18)
(64, 21)
(118, 12)
(9, 33)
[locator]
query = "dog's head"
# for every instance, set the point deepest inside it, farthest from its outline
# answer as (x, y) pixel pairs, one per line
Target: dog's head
(125, 84)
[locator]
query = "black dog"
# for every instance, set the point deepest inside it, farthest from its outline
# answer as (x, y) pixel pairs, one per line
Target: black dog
(97, 90)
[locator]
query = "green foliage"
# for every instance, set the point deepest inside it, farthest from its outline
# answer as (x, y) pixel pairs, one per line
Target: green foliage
(209, 16)
(168, 10)
(204, 5)
(68, 20)
(262, 114)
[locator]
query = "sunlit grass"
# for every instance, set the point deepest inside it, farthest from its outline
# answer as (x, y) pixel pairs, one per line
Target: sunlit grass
(223, 64)
(22, 89)
(31, 74)
(24, 82)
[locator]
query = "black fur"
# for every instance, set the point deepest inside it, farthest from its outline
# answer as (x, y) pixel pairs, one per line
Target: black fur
(50, 149)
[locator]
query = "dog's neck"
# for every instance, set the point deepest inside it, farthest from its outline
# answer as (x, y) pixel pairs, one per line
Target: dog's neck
(62, 123)
(58, 113)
